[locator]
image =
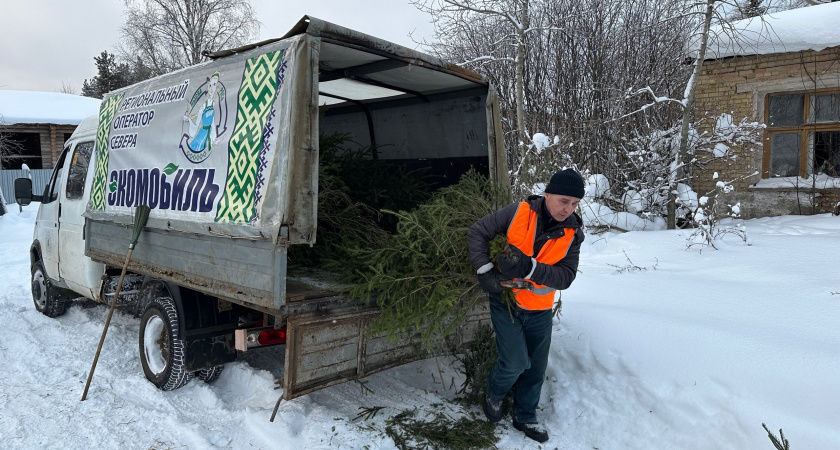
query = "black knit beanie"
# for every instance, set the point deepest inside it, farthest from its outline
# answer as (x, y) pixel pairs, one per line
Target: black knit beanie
(566, 182)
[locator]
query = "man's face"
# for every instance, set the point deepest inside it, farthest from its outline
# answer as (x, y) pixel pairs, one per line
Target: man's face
(560, 206)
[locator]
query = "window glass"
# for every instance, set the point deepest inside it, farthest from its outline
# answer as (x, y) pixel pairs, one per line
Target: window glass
(78, 170)
(825, 108)
(824, 152)
(784, 154)
(51, 189)
(786, 110)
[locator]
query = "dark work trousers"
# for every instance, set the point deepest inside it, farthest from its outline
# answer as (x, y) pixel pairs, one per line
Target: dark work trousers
(523, 355)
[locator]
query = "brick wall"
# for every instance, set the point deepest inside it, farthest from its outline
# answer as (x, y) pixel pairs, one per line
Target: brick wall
(738, 86)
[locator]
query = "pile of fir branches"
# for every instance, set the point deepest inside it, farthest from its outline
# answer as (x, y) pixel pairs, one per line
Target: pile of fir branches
(478, 359)
(440, 431)
(375, 183)
(421, 278)
(380, 227)
(352, 188)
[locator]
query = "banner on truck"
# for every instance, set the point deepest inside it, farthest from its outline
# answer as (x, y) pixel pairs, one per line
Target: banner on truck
(198, 144)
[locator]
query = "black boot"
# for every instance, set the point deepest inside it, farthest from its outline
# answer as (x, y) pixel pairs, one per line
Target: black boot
(493, 409)
(533, 430)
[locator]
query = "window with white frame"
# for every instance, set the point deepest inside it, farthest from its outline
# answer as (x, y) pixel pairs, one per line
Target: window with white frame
(802, 137)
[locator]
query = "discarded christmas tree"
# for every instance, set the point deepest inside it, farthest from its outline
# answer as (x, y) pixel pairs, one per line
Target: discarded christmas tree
(422, 279)
(405, 248)
(439, 430)
(352, 188)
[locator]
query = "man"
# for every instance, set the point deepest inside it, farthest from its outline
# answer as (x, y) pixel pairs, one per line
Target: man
(544, 238)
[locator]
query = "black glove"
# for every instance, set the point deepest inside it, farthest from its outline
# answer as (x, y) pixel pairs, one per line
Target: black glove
(489, 281)
(513, 263)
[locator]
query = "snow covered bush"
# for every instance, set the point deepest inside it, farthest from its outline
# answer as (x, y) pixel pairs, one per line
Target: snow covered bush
(726, 134)
(541, 159)
(597, 186)
(632, 194)
(714, 218)
(598, 208)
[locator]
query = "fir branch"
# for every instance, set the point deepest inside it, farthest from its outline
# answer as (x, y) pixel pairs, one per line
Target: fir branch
(421, 278)
(368, 413)
(781, 443)
(440, 431)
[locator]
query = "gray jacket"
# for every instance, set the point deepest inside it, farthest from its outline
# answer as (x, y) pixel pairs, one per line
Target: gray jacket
(558, 276)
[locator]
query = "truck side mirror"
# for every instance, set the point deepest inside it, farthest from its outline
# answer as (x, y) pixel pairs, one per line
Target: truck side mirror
(23, 191)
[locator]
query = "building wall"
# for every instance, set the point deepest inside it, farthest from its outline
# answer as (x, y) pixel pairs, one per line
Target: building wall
(52, 138)
(738, 86)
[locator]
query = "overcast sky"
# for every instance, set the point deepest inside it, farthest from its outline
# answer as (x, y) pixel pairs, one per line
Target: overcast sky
(44, 43)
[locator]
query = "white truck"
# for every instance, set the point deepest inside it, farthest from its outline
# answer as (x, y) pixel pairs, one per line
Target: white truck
(225, 153)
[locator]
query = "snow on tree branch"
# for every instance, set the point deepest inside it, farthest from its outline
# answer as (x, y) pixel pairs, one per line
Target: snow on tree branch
(485, 58)
(482, 8)
(656, 99)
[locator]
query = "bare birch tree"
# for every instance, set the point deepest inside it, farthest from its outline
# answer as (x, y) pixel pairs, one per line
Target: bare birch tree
(170, 34)
(688, 112)
(583, 80)
(709, 12)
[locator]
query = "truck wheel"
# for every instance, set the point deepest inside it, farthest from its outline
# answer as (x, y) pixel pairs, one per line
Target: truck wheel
(209, 375)
(48, 300)
(161, 352)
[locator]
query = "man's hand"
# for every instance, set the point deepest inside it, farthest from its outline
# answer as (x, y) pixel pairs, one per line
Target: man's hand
(514, 264)
(489, 281)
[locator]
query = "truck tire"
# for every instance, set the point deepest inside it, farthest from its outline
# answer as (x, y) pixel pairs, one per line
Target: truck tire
(209, 375)
(161, 351)
(48, 299)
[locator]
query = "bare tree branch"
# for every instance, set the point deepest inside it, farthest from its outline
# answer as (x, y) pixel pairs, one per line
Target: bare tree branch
(170, 34)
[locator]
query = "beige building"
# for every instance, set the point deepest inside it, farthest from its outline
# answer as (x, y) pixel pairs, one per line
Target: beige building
(782, 71)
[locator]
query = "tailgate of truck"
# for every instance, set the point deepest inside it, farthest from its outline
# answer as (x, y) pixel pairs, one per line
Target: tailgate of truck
(323, 349)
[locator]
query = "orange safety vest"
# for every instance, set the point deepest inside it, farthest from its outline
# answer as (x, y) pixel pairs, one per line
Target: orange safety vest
(521, 233)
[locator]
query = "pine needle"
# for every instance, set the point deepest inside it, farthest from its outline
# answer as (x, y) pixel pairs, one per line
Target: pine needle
(368, 413)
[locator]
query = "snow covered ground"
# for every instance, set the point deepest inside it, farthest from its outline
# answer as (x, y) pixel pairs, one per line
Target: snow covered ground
(693, 352)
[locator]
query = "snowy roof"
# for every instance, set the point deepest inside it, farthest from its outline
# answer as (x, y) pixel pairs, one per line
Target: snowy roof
(45, 107)
(811, 28)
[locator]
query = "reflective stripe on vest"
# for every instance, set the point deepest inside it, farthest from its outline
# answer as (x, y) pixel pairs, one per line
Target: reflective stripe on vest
(521, 234)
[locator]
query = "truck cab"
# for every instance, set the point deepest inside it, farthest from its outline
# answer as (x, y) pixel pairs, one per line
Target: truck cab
(61, 271)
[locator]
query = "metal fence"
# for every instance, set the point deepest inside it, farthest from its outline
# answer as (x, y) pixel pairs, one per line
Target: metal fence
(40, 177)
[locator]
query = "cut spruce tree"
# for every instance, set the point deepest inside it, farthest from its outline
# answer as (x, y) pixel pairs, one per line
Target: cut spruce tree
(421, 278)
(352, 189)
(403, 246)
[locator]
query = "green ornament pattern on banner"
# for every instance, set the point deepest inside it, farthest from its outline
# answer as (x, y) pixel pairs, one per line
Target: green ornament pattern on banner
(255, 99)
(106, 115)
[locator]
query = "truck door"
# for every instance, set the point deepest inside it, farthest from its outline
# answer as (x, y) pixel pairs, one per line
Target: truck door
(76, 268)
(47, 222)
